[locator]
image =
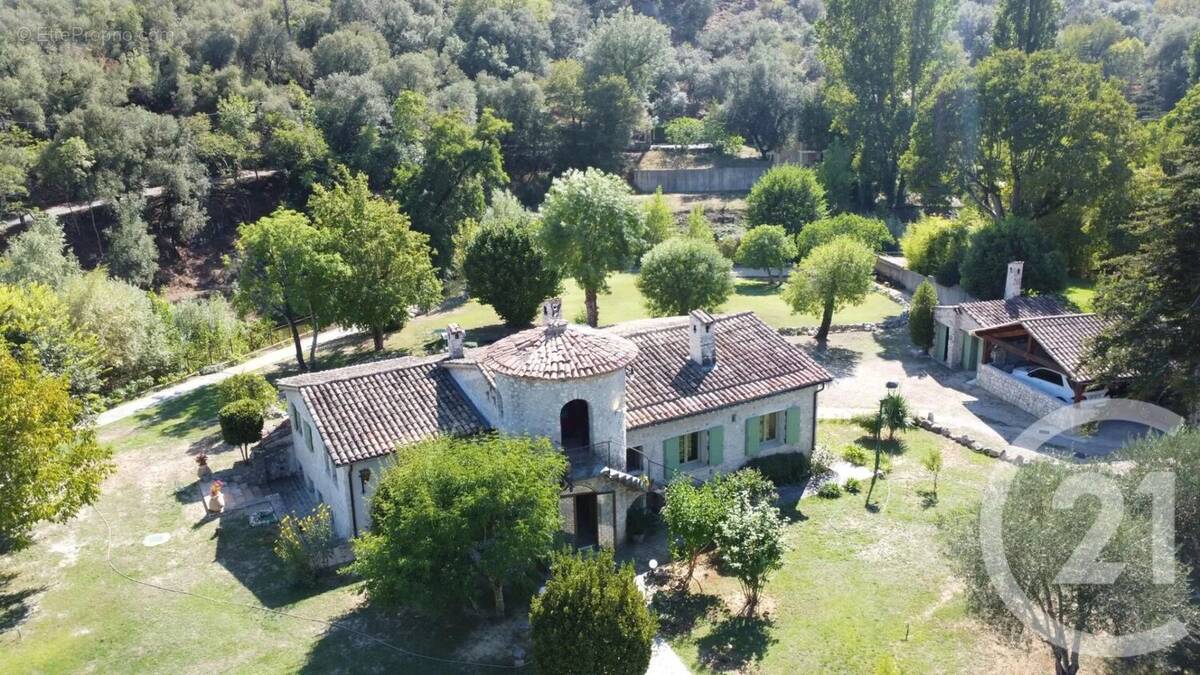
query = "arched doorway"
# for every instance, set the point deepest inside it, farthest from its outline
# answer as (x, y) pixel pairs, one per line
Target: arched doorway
(574, 425)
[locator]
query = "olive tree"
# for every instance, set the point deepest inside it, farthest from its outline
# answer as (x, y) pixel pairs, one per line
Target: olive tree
(832, 276)
(786, 195)
(683, 274)
(767, 247)
(506, 268)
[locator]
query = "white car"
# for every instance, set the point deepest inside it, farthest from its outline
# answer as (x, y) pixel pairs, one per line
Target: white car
(1054, 383)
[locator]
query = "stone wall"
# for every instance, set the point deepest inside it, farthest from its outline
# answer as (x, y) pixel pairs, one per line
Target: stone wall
(893, 269)
(690, 181)
(328, 483)
(532, 406)
(1016, 392)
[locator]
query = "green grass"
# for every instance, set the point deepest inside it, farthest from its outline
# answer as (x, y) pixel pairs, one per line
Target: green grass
(857, 588)
(1081, 293)
(63, 610)
(623, 303)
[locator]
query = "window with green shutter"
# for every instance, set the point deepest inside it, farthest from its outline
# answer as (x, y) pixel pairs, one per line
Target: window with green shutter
(792, 426)
(753, 435)
(716, 446)
(671, 456)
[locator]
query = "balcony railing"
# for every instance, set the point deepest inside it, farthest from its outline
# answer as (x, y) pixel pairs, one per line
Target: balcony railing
(589, 460)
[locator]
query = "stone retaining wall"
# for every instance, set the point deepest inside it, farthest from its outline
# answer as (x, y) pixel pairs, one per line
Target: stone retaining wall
(1012, 390)
(690, 181)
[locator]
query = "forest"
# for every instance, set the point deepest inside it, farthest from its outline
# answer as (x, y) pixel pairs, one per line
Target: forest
(1057, 125)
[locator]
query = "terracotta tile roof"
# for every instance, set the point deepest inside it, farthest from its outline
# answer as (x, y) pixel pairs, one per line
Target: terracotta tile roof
(561, 352)
(366, 411)
(988, 313)
(1065, 339)
(753, 361)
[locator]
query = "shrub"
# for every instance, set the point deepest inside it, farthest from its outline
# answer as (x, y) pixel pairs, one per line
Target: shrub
(767, 247)
(684, 131)
(745, 483)
(751, 543)
(241, 424)
(246, 386)
(934, 246)
(871, 232)
(660, 222)
(785, 468)
(210, 331)
(856, 455)
(591, 618)
(506, 268)
(698, 226)
(683, 274)
(786, 195)
(920, 316)
(829, 490)
(305, 544)
(985, 265)
(853, 486)
(692, 515)
(728, 245)
(896, 416)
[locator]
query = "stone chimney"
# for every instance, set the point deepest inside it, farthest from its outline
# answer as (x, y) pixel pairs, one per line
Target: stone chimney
(552, 312)
(1012, 284)
(455, 336)
(702, 345)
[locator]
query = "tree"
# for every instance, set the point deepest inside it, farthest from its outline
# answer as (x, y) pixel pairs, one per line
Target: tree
(590, 228)
(767, 247)
(920, 316)
(241, 424)
(994, 135)
(454, 514)
(698, 226)
(683, 274)
(832, 276)
(763, 102)
(39, 255)
(590, 590)
(305, 544)
(660, 222)
(786, 195)
(387, 265)
(836, 173)
(632, 46)
(530, 147)
(52, 465)
(880, 57)
(246, 387)
(692, 515)
(506, 268)
(286, 268)
(1179, 454)
(684, 131)
(990, 249)
(871, 232)
(750, 537)
(1026, 25)
(352, 49)
(209, 331)
(1041, 541)
(932, 461)
(935, 246)
(132, 253)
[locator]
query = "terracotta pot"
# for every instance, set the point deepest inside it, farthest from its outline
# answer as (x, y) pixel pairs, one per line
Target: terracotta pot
(203, 471)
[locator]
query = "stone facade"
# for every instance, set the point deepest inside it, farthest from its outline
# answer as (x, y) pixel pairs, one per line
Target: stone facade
(1016, 392)
(324, 481)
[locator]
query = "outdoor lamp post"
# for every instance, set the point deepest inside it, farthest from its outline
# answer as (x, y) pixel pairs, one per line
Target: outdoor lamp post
(891, 387)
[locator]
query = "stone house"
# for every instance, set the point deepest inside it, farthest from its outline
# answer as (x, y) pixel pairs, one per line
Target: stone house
(631, 406)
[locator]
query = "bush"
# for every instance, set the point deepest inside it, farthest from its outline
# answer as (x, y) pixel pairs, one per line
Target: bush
(506, 268)
(829, 490)
(920, 316)
(856, 455)
(683, 274)
(305, 544)
(660, 222)
(745, 483)
(728, 245)
(751, 544)
(591, 618)
(767, 247)
(871, 232)
(698, 226)
(241, 424)
(684, 131)
(934, 246)
(853, 486)
(785, 468)
(210, 330)
(985, 265)
(692, 515)
(786, 195)
(250, 386)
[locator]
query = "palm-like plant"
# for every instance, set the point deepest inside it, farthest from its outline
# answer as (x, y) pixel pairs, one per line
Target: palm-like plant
(895, 414)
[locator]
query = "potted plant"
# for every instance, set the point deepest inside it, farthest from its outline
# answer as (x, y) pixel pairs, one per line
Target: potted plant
(215, 501)
(641, 523)
(203, 471)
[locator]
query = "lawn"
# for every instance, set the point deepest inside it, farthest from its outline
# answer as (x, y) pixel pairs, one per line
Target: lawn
(1080, 293)
(622, 303)
(63, 610)
(858, 589)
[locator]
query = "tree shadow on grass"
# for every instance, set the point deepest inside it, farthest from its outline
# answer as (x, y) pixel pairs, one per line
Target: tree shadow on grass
(14, 605)
(183, 415)
(929, 498)
(839, 361)
(247, 553)
(736, 643)
(679, 610)
(894, 447)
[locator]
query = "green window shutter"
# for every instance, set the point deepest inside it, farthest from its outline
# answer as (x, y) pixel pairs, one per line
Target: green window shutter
(716, 445)
(752, 436)
(792, 426)
(671, 456)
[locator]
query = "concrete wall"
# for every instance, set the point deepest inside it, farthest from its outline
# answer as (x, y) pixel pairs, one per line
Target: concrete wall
(734, 420)
(893, 269)
(532, 406)
(713, 179)
(327, 483)
(1016, 392)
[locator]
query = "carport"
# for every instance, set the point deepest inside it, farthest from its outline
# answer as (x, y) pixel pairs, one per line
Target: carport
(1056, 342)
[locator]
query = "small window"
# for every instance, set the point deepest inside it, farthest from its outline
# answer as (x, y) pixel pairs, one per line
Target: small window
(769, 431)
(689, 447)
(633, 459)
(308, 436)
(295, 414)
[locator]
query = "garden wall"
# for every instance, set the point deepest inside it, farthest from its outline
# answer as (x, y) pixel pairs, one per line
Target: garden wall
(712, 179)
(893, 269)
(1016, 392)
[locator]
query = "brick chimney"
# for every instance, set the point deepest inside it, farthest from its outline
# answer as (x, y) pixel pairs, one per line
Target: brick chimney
(702, 344)
(552, 312)
(455, 336)
(1012, 284)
